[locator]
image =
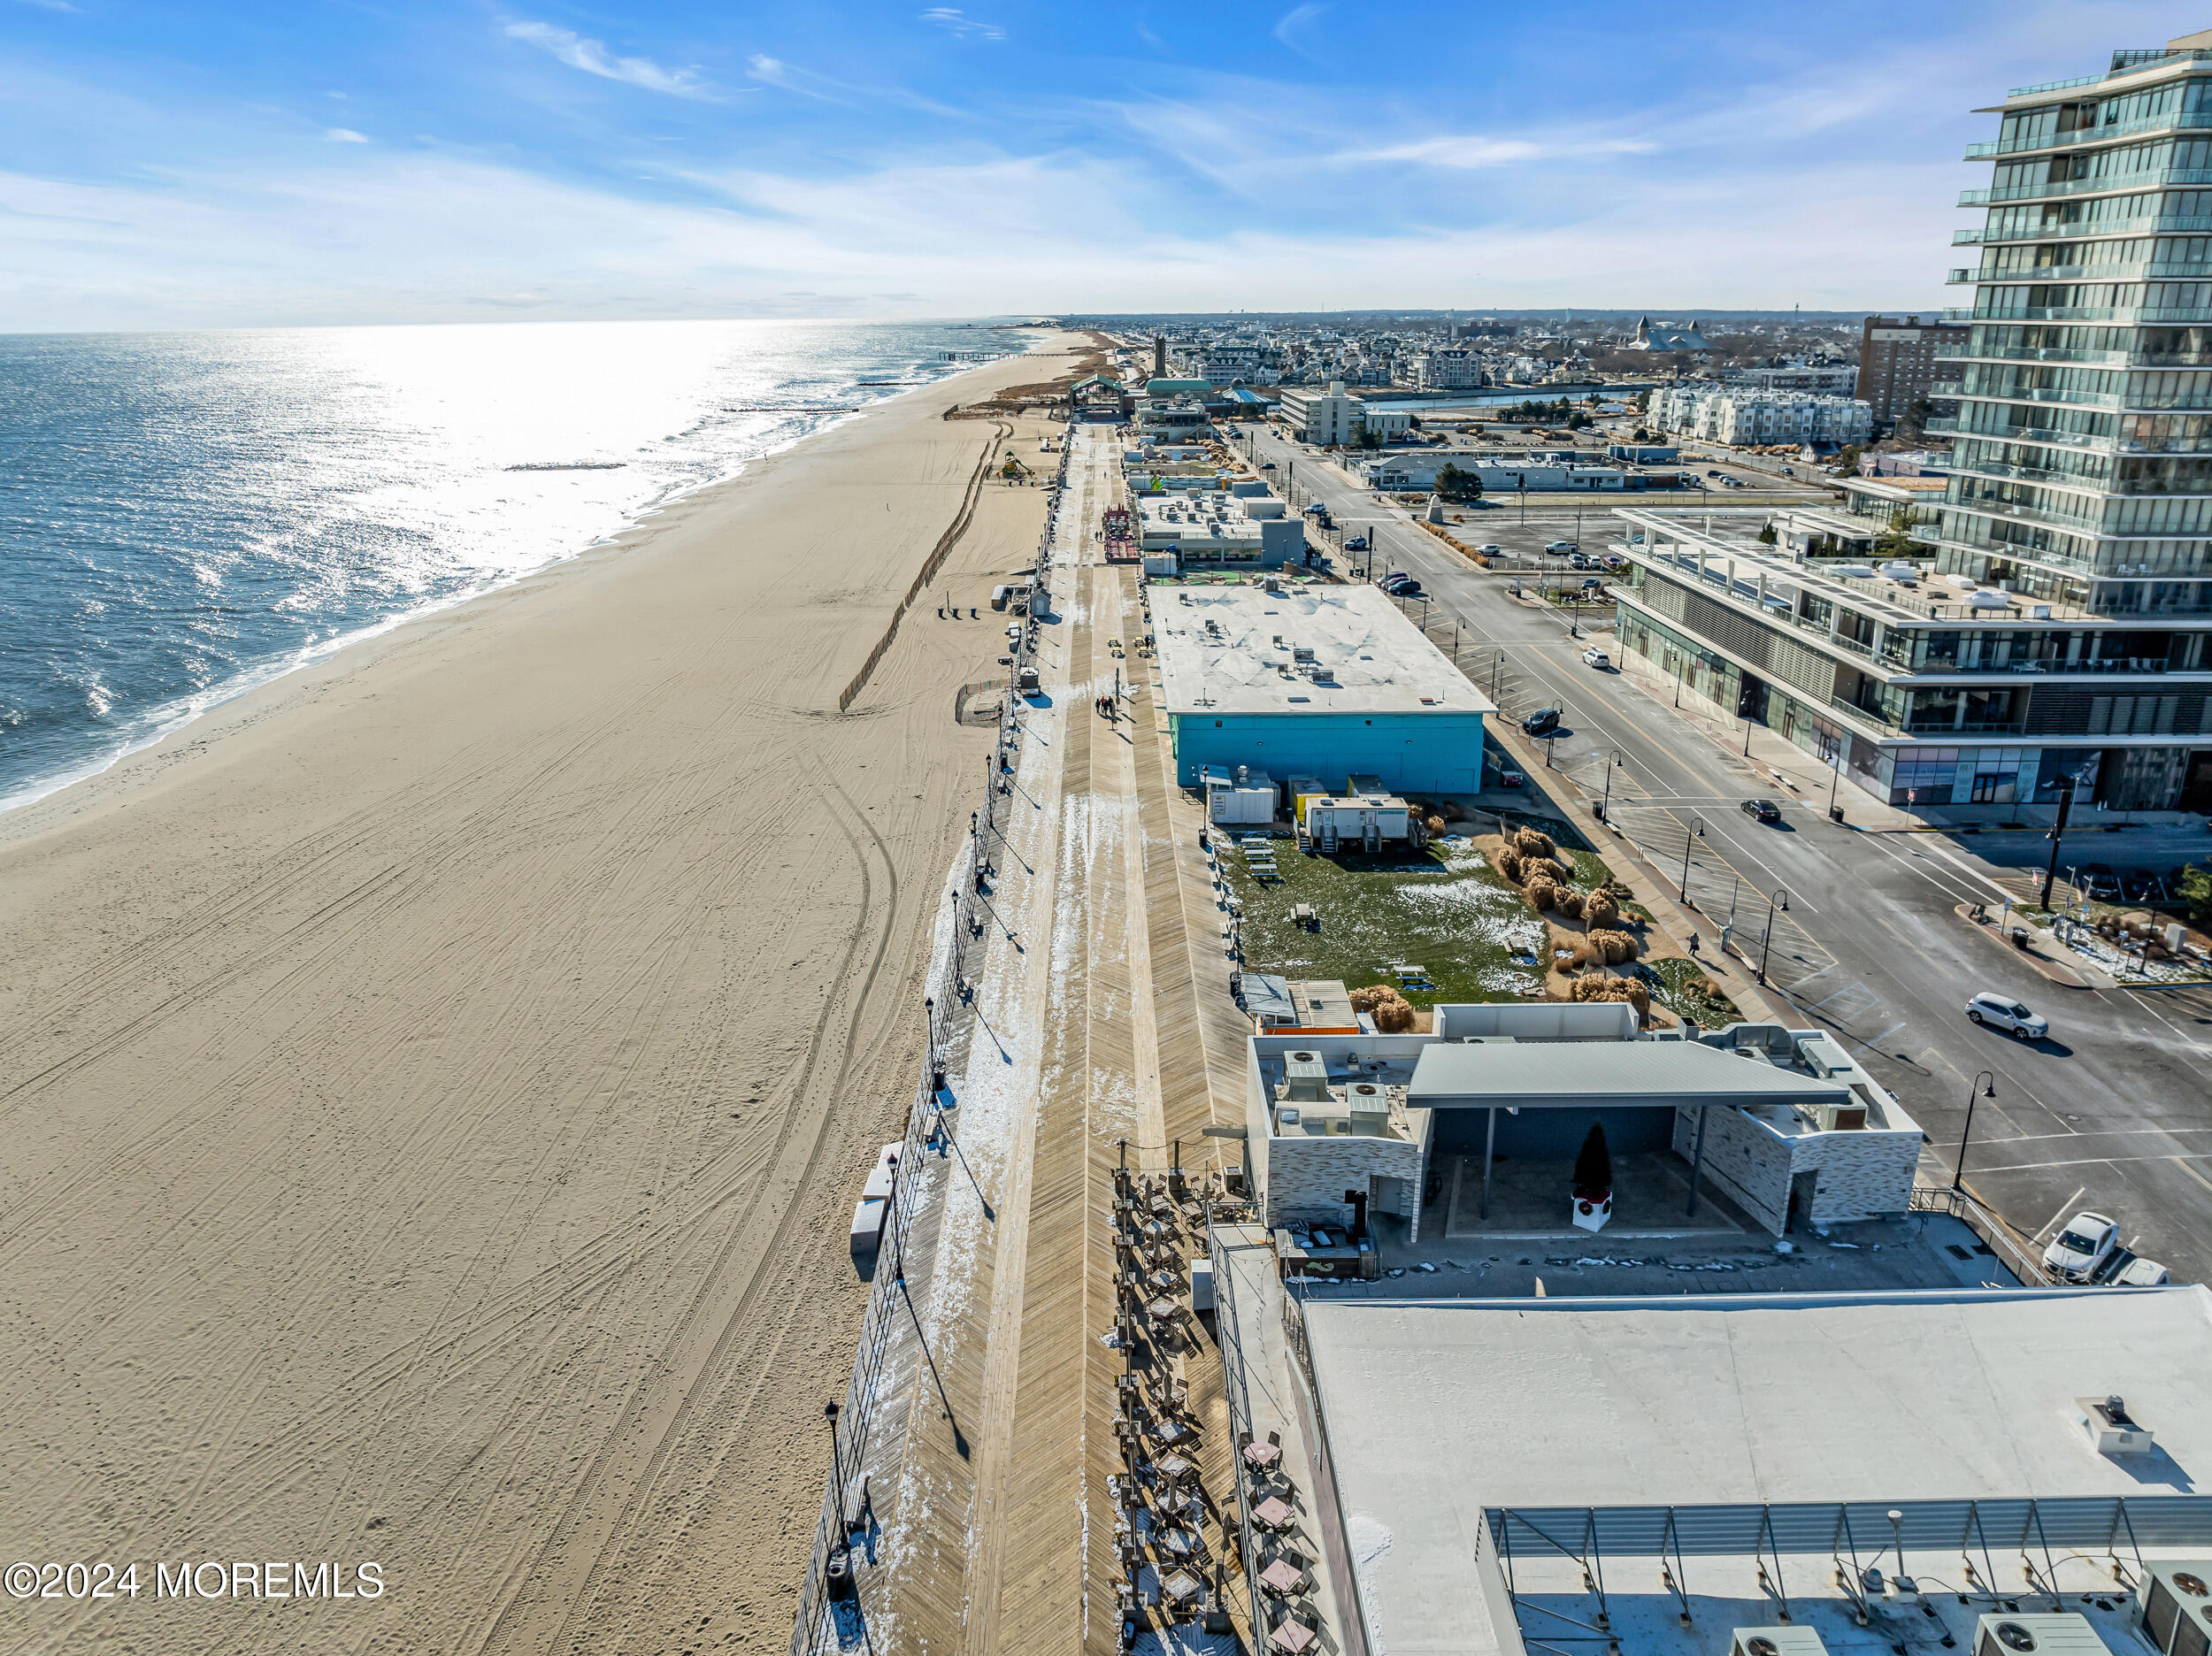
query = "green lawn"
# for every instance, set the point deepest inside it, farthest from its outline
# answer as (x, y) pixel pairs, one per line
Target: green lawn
(1443, 907)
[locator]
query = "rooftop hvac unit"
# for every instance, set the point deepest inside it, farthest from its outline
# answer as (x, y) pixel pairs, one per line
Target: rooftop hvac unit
(1845, 1118)
(1775, 1641)
(1366, 1103)
(2006, 1635)
(2173, 1606)
(1308, 1075)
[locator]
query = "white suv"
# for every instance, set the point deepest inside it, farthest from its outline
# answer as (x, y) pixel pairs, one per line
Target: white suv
(2083, 1243)
(2004, 1012)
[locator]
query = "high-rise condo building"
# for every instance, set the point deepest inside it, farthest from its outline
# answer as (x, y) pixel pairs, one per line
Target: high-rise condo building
(2059, 643)
(2083, 445)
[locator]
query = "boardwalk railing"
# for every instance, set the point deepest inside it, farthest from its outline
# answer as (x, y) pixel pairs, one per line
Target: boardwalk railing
(1232, 1361)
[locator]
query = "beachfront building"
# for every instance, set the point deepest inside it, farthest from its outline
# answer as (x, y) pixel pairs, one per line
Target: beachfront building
(1898, 358)
(1722, 1468)
(1781, 1122)
(1331, 418)
(2080, 478)
(1210, 528)
(1324, 681)
(1745, 417)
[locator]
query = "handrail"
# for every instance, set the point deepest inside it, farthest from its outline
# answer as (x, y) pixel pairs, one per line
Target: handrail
(1240, 1416)
(1941, 1199)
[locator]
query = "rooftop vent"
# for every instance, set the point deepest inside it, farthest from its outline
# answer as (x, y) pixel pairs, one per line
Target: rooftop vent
(2111, 1428)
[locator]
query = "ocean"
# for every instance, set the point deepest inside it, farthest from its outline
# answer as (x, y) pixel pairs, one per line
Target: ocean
(185, 516)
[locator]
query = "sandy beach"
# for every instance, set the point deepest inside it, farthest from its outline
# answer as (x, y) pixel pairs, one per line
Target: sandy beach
(435, 1084)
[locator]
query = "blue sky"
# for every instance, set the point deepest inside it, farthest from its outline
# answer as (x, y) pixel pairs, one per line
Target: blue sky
(265, 163)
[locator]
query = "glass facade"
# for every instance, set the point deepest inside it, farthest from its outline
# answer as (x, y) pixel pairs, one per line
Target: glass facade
(2082, 452)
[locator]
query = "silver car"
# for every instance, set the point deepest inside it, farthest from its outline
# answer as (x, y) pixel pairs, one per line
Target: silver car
(2003, 1012)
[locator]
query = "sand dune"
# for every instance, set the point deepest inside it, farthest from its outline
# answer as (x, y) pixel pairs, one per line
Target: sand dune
(434, 1085)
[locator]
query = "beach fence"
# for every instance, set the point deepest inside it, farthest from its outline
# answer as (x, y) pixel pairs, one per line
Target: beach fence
(931, 565)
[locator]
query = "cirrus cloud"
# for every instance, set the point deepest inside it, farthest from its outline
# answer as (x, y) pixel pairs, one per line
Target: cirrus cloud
(593, 58)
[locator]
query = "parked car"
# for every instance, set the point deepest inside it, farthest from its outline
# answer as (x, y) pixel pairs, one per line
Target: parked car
(1562, 548)
(1576, 560)
(1592, 585)
(2083, 1243)
(1596, 657)
(1789, 470)
(2141, 885)
(2140, 1273)
(1267, 465)
(1996, 1011)
(1407, 589)
(1540, 722)
(1763, 810)
(1710, 473)
(2098, 882)
(1491, 551)
(1358, 543)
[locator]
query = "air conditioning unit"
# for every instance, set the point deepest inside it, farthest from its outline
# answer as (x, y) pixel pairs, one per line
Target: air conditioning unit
(1308, 1076)
(1368, 1105)
(2066, 1635)
(2173, 1606)
(1775, 1641)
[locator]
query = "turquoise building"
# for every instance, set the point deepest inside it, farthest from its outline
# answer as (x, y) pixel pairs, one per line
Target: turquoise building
(1326, 682)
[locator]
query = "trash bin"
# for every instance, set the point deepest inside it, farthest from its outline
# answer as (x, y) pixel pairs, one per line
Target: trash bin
(1835, 813)
(2020, 937)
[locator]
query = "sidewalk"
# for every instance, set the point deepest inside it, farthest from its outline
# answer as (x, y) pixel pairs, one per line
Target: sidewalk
(1779, 760)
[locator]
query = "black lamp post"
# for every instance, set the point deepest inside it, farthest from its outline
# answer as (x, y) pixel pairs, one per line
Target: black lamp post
(1607, 804)
(1697, 832)
(837, 1465)
(1779, 900)
(1988, 1090)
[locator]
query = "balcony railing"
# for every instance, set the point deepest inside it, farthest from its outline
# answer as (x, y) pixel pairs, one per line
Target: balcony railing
(2125, 316)
(1999, 727)
(2176, 120)
(2159, 178)
(2148, 224)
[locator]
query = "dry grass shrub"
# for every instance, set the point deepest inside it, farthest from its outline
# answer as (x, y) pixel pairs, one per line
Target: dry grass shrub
(1542, 894)
(1600, 908)
(1392, 1013)
(1569, 903)
(1617, 947)
(1436, 824)
(1596, 988)
(1510, 865)
(1528, 842)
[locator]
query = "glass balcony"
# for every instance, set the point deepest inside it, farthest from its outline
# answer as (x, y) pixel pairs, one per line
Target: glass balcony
(2174, 121)
(2049, 189)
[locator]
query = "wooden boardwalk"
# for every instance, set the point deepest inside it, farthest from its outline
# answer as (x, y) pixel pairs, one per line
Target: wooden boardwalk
(1010, 1543)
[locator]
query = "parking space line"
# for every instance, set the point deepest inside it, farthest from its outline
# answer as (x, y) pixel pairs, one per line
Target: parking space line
(2055, 1217)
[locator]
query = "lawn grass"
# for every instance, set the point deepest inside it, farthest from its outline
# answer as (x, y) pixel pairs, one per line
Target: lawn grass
(1671, 979)
(1443, 907)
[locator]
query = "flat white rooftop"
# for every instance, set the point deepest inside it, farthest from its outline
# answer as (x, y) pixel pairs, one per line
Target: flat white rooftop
(1436, 1411)
(1372, 659)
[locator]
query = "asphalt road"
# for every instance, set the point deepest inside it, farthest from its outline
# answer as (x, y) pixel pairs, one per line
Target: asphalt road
(2113, 1111)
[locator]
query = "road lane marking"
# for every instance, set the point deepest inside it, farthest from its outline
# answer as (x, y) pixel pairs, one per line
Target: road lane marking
(2055, 1217)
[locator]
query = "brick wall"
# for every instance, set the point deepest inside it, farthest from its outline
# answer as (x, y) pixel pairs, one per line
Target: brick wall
(1308, 1176)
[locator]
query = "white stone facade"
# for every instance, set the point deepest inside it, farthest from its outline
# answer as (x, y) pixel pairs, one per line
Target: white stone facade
(1864, 1175)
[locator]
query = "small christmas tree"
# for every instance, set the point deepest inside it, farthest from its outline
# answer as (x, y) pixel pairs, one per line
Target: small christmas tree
(1593, 1167)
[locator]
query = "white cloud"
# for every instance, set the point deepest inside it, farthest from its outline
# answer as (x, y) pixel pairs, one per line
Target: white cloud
(776, 72)
(1293, 24)
(345, 134)
(1469, 151)
(593, 58)
(51, 5)
(952, 18)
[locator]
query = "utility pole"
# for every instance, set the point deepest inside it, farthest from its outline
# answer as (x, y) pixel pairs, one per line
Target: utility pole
(1696, 831)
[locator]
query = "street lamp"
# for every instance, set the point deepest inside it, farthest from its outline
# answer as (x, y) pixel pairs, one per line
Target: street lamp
(837, 1467)
(1617, 764)
(1781, 900)
(1988, 1090)
(1697, 832)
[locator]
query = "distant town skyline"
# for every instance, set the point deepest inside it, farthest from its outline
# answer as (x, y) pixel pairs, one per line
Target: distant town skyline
(250, 166)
